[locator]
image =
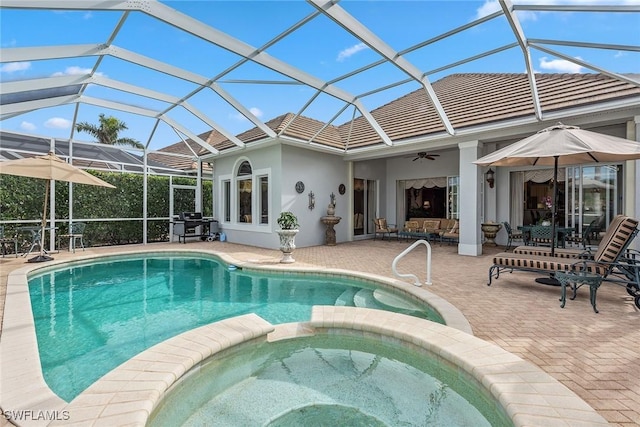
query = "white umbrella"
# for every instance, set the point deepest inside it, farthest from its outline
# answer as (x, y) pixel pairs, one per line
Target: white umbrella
(49, 167)
(561, 145)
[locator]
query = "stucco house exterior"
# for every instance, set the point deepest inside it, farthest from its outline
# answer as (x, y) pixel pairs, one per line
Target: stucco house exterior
(254, 183)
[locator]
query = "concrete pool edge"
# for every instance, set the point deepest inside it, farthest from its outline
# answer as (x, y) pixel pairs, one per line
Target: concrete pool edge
(23, 388)
(131, 392)
(530, 396)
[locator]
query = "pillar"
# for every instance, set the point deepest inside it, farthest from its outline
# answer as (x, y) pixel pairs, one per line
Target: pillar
(470, 199)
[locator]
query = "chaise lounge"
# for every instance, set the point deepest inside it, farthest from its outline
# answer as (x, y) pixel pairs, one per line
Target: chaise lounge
(606, 262)
(570, 252)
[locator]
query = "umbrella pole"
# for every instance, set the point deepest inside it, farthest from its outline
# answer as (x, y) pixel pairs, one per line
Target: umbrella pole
(42, 257)
(554, 213)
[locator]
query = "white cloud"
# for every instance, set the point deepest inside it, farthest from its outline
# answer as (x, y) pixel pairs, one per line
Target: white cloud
(28, 126)
(491, 6)
(12, 67)
(620, 54)
(487, 8)
(256, 111)
(527, 15)
(58, 123)
(560, 65)
(350, 51)
(75, 71)
(9, 43)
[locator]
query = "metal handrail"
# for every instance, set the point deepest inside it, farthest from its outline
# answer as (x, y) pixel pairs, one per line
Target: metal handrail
(409, 275)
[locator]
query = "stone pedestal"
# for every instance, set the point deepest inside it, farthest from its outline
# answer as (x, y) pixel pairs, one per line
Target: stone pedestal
(330, 234)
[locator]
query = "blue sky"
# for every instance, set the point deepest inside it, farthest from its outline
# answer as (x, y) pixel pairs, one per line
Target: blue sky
(319, 48)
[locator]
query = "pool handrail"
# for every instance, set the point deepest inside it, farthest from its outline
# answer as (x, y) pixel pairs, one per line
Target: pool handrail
(410, 275)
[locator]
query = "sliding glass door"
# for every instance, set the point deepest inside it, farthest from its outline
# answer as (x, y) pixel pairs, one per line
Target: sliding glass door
(364, 206)
(593, 197)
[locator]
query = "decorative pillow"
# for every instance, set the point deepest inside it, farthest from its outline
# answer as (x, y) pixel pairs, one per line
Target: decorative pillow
(431, 225)
(454, 229)
(411, 226)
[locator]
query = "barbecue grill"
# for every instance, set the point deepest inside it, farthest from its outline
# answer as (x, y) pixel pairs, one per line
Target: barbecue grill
(187, 224)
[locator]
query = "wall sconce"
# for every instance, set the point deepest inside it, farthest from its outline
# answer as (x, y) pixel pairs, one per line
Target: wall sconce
(312, 200)
(490, 176)
(426, 205)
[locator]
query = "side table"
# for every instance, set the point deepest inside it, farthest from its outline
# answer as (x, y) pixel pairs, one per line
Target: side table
(576, 279)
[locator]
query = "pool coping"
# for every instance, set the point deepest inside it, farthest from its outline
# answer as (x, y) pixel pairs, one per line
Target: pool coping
(130, 393)
(24, 388)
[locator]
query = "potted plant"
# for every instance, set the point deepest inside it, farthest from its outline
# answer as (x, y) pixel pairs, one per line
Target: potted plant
(288, 223)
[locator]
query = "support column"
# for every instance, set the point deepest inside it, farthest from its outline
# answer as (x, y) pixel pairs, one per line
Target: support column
(490, 207)
(632, 177)
(52, 206)
(471, 197)
(145, 190)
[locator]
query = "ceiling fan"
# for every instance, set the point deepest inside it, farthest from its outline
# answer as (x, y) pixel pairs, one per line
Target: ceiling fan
(425, 155)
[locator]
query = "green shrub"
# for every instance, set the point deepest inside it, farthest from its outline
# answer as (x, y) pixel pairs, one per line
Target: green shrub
(22, 198)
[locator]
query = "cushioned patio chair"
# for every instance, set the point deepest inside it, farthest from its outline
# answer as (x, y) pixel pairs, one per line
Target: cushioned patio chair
(604, 262)
(381, 227)
(512, 235)
(451, 235)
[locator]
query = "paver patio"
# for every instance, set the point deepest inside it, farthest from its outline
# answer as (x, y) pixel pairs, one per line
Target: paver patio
(595, 355)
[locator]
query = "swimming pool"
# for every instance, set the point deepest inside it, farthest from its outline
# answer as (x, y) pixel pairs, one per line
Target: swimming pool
(92, 316)
(327, 380)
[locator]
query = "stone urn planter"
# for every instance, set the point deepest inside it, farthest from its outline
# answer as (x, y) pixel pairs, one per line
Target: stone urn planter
(288, 223)
(490, 230)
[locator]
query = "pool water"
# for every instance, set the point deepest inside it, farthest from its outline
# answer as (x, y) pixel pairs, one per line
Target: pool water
(329, 381)
(91, 317)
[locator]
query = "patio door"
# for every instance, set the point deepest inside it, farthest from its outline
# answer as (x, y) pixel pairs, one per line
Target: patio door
(364, 206)
(593, 197)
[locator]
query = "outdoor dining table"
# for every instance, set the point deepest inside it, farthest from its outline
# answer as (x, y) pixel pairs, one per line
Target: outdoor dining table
(561, 234)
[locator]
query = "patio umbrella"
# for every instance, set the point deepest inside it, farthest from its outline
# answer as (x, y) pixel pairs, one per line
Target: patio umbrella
(49, 167)
(561, 145)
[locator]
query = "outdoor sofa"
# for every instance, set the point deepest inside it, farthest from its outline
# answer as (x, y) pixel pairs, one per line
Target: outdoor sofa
(442, 229)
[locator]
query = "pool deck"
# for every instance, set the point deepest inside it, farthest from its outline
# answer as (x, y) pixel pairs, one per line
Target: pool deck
(594, 355)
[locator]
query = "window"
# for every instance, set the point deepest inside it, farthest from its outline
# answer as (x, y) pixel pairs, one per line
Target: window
(264, 199)
(453, 200)
(244, 186)
(226, 196)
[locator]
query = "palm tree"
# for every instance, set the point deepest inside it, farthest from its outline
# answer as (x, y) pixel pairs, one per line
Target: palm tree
(107, 131)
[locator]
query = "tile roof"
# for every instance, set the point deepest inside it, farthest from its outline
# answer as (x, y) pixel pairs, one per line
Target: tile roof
(468, 99)
(482, 98)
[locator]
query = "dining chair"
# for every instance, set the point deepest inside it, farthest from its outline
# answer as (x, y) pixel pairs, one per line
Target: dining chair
(4, 240)
(512, 234)
(541, 235)
(583, 239)
(76, 232)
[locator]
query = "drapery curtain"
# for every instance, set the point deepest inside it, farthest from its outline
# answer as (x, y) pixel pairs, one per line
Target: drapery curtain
(543, 175)
(517, 199)
(426, 182)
